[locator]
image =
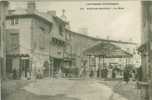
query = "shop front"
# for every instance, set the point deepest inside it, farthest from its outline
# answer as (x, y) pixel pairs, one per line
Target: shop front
(18, 66)
(55, 67)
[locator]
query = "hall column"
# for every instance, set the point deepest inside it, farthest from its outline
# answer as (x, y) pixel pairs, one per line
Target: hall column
(99, 66)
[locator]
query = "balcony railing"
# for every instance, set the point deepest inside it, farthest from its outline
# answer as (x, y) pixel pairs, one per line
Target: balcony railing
(69, 55)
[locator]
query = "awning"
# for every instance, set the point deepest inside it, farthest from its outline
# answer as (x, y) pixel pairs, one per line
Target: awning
(68, 57)
(107, 50)
(17, 55)
(58, 41)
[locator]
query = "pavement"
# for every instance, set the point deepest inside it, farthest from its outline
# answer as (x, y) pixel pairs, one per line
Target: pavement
(127, 90)
(9, 87)
(77, 89)
(64, 89)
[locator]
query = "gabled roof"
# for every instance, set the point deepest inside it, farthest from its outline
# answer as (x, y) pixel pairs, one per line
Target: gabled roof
(42, 15)
(60, 20)
(107, 50)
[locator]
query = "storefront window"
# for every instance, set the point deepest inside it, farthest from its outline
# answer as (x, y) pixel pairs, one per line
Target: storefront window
(14, 21)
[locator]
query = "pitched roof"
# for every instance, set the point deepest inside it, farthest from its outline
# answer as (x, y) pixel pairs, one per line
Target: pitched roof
(100, 39)
(107, 50)
(42, 15)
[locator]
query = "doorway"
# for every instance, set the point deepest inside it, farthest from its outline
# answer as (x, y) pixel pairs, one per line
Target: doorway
(24, 67)
(57, 65)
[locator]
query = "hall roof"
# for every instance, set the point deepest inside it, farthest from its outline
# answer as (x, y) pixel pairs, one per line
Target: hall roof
(100, 39)
(107, 50)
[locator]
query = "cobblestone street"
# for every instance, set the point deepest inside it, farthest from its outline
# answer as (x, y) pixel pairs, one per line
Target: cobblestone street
(64, 89)
(128, 91)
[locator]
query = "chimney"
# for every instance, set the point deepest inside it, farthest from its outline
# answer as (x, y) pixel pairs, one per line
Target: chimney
(51, 12)
(31, 6)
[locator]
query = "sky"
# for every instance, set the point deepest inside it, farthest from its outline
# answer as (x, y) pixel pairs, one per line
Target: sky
(117, 24)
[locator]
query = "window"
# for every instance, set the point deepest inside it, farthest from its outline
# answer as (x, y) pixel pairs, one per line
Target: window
(14, 40)
(42, 38)
(134, 51)
(61, 30)
(42, 41)
(68, 36)
(144, 18)
(14, 21)
(150, 10)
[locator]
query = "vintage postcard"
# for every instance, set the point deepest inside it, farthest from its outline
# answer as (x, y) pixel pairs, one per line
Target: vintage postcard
(76, 49)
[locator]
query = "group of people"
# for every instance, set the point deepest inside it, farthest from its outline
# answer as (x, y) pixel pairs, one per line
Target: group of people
(114, 72)
(17, 74)
(104, 72)
(132, 74)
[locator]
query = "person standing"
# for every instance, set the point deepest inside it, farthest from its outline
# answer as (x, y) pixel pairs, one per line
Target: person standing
(14, 74)
(113, 73)
(126, 75)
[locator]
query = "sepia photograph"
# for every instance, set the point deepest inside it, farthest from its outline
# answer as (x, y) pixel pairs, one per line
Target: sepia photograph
(76, 49)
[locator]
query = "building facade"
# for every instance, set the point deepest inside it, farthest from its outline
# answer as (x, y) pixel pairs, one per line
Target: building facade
(3, 13)
(35, 42)
(146, 51)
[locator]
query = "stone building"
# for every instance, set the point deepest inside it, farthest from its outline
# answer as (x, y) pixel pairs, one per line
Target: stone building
(35, 41)
(146, 51)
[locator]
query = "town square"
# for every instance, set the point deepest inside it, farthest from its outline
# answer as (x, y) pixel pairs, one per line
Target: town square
(72, 50)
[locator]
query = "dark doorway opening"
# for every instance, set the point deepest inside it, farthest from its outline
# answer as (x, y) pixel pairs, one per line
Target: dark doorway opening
(24, 67)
